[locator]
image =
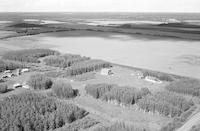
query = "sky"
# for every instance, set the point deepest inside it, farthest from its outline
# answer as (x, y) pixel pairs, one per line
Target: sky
(100, 5)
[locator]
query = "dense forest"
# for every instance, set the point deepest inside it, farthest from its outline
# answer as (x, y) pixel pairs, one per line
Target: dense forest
(28, 55)
(185, 86)
(34, 112)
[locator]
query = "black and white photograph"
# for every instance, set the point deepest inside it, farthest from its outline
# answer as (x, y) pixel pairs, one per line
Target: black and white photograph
(99, 65)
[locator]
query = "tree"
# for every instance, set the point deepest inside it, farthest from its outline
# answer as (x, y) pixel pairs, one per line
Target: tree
(39, 81)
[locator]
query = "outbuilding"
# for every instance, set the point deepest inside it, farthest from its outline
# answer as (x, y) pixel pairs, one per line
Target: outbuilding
(153, 79)
(106, 71)
(17, 85)
(24, 70)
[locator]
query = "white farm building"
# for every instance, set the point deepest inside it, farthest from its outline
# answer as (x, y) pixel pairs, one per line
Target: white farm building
(106, 71)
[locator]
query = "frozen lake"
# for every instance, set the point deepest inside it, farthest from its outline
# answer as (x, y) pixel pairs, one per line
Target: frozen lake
(180, 57)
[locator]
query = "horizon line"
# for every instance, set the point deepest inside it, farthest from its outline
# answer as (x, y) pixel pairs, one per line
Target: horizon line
(95, 12)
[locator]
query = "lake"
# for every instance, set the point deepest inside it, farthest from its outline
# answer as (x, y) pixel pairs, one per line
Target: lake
(175, 56)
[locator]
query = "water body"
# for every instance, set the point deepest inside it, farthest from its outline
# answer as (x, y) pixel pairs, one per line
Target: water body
(180, 57)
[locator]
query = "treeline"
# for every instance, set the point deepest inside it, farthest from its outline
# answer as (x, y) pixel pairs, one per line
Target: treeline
(28, 55)
(10, 65)
(123, 95)
(80, 68)
(87, 66)
(166, 103)
(64, 61)
(34, 112)
(120, 127)
(185, 86)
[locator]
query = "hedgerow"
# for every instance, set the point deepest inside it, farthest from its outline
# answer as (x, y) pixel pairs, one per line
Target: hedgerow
(34, 112)
(28, 55)
(39, 81)
(185, 86)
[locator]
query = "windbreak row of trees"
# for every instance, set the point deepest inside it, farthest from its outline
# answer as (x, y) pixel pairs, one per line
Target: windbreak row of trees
(123, 95)
(185, 86)
(87, 66)
(166, 103)
(34, 112)
(64, 61)
(10, 65)
(28, 55)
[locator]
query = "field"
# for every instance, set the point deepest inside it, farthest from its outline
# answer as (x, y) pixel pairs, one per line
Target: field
(70, 92)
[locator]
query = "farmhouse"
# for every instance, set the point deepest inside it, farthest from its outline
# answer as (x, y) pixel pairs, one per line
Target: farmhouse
(106, 71)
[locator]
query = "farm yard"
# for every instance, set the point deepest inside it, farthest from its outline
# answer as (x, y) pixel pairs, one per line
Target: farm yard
(104, 95)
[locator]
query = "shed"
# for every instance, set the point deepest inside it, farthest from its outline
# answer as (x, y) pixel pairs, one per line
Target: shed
(106, 71)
